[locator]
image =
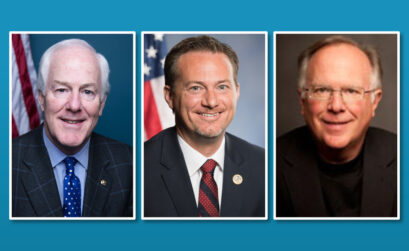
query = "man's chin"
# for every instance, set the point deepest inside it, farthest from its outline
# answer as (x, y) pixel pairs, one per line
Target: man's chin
(210, 134)
(70, 145)
(336, 143)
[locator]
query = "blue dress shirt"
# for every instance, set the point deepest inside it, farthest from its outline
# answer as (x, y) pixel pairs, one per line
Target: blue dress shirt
(57, 157)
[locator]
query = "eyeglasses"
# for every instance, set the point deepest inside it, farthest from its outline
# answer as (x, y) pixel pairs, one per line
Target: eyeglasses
(348, 94)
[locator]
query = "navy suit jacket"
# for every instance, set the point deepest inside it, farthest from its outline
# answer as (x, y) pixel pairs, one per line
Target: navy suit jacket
(298, 186)
(168, 190)
(35, 192)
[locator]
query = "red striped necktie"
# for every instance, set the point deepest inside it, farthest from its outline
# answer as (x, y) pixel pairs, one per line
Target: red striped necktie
(208, 194)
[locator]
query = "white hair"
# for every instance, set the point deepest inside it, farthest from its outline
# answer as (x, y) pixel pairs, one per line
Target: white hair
(44, 67)
(370, 52)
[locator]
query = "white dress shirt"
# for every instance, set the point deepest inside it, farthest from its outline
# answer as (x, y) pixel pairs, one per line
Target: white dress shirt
(195, 160)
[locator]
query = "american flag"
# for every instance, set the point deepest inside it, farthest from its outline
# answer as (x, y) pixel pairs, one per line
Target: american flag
(157, 114)
(26, 113)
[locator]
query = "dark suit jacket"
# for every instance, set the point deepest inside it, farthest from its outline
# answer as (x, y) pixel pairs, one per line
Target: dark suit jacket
(168, 190)
(298, 184)
(35, 192)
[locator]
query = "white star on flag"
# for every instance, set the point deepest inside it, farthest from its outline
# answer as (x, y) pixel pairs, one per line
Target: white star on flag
(146, 69)
(151, 52)
(158, 36)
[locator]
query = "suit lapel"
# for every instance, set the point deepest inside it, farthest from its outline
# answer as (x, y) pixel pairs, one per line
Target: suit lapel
(98, 182)
(232, 194)
(378, 189)
(176, 176)
(39, 181)
(303, 179)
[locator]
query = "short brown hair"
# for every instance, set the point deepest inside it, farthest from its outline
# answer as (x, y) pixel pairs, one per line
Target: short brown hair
(199, 43)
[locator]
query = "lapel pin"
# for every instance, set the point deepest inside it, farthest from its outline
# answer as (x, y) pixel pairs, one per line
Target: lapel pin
(103, 182)
(237, 179)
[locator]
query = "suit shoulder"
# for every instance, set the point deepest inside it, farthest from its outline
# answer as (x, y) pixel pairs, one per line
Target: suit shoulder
(99, 139)
(115, 148)
(244, 146)
(381, 140)
(29, 138)
(156, 140)
(293, 139)
(381, 135)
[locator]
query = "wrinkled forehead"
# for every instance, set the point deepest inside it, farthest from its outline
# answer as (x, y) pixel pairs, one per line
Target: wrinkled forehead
(75, 60)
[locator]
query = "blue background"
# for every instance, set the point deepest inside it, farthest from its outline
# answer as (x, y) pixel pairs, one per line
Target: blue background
(210, 15)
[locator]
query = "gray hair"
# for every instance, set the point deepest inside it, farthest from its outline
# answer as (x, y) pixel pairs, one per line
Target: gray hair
(44, 67)
(370, 52)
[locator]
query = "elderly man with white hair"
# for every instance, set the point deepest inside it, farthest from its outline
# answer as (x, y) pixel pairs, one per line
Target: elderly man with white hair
(63, 168)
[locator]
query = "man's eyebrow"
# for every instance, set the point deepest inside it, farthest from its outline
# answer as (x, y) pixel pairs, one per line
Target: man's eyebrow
(67, 83)
(202, 83)
(60, 82)
(224, 81)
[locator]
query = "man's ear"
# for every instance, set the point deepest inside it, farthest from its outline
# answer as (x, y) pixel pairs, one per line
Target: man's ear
(301, 99)
(101, 108)
(41, 100)
(237, 91)
(167, 92)
(376, 98)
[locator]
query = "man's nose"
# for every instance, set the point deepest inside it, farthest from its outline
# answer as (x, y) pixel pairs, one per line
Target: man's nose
(336, 102)
(74, 103)
(210, 99)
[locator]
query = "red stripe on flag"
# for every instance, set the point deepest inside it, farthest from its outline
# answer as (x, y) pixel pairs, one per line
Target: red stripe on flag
(151, 117)
(26, 87)
(14, 130)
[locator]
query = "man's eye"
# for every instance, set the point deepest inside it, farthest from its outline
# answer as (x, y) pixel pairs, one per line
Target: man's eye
(223, 87)
(195, 88)
(321, 90)
(351, 91)
(61, 90)
(88, 92)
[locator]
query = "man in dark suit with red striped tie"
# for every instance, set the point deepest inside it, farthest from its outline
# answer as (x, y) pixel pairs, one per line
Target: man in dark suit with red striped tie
(196, 169)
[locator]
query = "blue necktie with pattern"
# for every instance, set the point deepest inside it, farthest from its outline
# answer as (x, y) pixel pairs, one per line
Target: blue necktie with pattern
(72, 190)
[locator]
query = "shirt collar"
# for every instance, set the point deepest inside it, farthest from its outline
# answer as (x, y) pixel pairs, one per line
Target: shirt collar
(56, 156)
(194, 159)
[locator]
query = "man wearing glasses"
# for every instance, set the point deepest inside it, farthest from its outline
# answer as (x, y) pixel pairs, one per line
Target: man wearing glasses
(337, 165)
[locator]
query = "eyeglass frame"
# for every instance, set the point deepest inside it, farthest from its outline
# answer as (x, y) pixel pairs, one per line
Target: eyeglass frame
(308, 90)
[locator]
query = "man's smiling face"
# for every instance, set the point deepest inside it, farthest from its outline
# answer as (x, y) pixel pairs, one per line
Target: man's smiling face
(204, 96)
(72, 99)
(335, 123)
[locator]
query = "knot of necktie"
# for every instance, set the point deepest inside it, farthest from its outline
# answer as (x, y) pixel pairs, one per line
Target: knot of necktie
(209, 166)
(69, 165)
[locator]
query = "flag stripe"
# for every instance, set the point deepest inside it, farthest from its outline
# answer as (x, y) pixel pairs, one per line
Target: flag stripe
(157, 114)
(151, 116)
(27, 90)
(14, 130)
